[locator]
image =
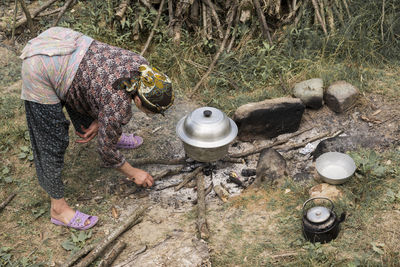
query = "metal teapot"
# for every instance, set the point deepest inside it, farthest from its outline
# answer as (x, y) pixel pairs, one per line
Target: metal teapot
(321, 224)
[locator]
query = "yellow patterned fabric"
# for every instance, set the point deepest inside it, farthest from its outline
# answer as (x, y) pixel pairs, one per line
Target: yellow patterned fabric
(153, 88)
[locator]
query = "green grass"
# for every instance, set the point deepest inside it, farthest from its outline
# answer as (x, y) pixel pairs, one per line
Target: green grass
(363, 240)
(250, 72)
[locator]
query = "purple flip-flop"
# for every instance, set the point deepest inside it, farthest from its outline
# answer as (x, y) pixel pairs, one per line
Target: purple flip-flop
(129, 141)
(78, 222)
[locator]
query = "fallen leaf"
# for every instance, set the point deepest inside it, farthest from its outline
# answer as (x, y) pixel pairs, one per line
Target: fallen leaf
(376, 112)
(114, 213)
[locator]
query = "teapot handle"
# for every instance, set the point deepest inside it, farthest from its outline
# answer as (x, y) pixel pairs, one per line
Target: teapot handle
(325, 198)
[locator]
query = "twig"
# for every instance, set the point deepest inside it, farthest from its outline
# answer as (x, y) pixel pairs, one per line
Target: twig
(8, 200)
(188, 178)
(206, 192)
(290, 147)
(62, 11)
(146, 4)
(231, 42)
(215, 16)
(167, 186)
(50, 12)
(132, 257)
(228, 79)
(27, 15)
(383, 18)
(347, 8)
(316, 10)
(202, 225)
(112, 254)
(154, 27)
(3, 26)
(132, 220)
(221, 192)
(14, 26)
(122, 9)
(75, 257)
(263, 21)
(222, 47)
(144, 161)
(164, 173)
(259, 149)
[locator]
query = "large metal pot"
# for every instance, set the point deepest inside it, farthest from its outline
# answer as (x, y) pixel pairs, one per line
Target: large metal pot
(206, 134)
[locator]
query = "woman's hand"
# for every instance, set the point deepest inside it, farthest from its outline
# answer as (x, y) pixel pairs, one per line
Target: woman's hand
(138, 176)
(89, 133)
(141, 178)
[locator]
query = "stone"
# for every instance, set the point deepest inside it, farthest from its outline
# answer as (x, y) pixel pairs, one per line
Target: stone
(268, 118)
(345, 144)
(325, 190)
(271, 168)
(340, 96)
(311, 92)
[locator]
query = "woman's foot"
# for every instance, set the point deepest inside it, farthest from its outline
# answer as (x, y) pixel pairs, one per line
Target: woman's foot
(62, 212)
(129, 141)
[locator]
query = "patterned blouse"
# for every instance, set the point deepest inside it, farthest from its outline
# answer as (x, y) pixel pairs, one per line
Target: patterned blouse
(96, 92)
(62, 65)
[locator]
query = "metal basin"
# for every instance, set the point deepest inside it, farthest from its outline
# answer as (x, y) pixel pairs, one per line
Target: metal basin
(335, 167)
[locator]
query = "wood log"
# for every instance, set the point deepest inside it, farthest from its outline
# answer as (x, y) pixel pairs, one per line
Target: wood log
(75, 257)
(206, 192)
(133, 219)
(318, 15)
(162, 174)
(112, 254)
(122, 9)
(3, 26)
(215, 17)
(144, 161)
(188, 178)
(315, 138)
(263, 21)
(63, 10)
(259, 149)
(154, 27)
(131, 258)
(221, 192)
(27, 15)
(8, 200)
(202, 225)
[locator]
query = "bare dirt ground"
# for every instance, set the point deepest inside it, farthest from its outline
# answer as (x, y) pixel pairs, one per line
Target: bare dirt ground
(168, 228)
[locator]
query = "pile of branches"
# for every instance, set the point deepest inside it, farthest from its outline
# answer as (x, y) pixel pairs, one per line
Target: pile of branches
(210, 18)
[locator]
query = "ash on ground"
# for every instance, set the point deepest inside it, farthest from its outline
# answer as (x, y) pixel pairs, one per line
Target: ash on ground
(161, 141)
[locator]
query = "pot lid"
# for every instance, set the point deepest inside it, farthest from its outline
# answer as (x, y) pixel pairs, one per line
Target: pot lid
(318, 214)
(206, 127)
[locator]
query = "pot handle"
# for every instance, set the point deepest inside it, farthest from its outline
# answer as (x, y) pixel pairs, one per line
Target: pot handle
(342, 217)
(325, 198)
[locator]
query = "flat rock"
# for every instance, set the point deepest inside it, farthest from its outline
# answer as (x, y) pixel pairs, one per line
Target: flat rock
(311, 92)
(271, 168)
(345, 144)
(268, 118)
(325, 190)
(340, 96)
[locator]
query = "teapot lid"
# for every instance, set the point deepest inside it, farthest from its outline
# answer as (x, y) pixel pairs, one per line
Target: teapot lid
(318, 214)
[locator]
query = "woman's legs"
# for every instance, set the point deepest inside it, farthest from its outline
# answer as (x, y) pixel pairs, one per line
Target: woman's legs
(48, 131)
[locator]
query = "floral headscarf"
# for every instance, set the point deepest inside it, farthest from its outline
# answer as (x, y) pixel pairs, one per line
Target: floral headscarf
(153, 88)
